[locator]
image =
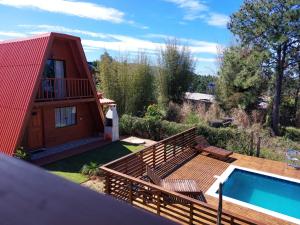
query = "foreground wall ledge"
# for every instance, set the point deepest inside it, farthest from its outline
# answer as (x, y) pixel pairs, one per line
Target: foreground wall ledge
(32, 196)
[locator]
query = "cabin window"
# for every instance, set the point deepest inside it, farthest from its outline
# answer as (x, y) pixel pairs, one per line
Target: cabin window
(54, 69)
(65, 116)
(53, 82)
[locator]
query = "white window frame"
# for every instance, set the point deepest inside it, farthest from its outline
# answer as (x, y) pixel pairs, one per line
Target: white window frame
(65, 116)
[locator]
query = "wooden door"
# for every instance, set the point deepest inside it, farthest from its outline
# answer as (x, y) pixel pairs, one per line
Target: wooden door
(35, 131)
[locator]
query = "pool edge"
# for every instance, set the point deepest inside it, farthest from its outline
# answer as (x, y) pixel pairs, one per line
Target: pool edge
(224, 176)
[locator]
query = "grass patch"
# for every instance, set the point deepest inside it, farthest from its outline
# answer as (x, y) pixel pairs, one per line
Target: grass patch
(69, 168)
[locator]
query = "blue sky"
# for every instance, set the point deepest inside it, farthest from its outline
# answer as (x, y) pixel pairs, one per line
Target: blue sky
(126, 26)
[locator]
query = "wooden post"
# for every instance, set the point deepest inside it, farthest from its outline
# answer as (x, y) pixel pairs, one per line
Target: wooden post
(219, 217)
(165, 152)
(251, 144)
(154, 150)
(258, 147)
(191, 213)
(107, 183)
(174, 146)
(158, 203)
(130, 192)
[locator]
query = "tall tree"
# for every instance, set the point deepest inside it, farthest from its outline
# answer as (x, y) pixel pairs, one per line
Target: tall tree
(273, 25)
(241, 78)
(203, 83)
(130, 84)
(175, 72)
(141, 85)
(106, 77)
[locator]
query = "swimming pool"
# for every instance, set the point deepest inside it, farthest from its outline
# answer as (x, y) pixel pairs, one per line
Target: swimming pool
(268, 193)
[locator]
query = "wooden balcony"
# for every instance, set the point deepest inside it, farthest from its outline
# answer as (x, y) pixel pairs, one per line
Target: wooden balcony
(55, 89)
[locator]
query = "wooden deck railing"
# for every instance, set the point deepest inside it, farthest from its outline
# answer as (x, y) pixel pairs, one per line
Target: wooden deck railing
(64, 88)
(122, 180)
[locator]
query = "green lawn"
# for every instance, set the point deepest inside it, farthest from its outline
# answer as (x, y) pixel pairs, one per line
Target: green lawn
(70, 168)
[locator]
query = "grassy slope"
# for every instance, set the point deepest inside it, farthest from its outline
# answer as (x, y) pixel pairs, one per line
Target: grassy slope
(70, 168)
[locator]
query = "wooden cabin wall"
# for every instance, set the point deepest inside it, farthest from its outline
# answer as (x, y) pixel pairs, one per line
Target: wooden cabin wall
(84, 127)
(64, 50)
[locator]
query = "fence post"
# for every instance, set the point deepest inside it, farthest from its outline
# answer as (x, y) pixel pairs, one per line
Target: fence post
(154, 151)
(158, 203)
(219, 216)
(252, 143)
(174, 147)
(191, 213)
(258, 147)
(107, 183)
(130, 191)
(165, 152)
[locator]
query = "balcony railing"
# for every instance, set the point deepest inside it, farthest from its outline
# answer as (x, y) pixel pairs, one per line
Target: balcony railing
(63, 88)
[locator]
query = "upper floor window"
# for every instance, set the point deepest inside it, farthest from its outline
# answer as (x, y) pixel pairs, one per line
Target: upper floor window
(54, 69)
(65, 116)
(54, 83)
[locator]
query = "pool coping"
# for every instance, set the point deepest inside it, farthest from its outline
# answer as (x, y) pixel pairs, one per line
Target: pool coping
(224, 176)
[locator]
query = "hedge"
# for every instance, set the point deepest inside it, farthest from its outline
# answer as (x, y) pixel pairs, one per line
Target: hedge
(229, 138)
(292, 133)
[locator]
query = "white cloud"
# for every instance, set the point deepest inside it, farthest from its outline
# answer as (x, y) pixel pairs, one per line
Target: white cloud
(201, 59)
(131, 44)
(12, 34)
(75, 8)
(192, 8)
(217, 19)
(196, 46)
(119, 42)
(43, 28)
(195, 9)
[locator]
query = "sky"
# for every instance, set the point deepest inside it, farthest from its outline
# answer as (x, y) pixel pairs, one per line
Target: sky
(126, 26)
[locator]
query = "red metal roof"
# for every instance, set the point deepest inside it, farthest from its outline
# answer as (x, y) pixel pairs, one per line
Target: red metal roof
(21, 63)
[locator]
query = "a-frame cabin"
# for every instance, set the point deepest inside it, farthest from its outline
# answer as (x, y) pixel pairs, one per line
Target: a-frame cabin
(47, 94)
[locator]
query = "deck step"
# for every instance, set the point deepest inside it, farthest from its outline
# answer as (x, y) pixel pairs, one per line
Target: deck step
(70, 152)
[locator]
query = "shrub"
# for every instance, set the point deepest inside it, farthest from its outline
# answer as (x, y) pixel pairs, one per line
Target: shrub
(22, 154)
(174, 112)
(241, 118)
(157, 130)
(192, 118)
(154, 112)
(292, 133)
(237, 140)
(90, 169)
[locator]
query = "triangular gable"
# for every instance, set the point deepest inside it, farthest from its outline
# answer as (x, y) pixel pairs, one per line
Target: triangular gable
(21, 65)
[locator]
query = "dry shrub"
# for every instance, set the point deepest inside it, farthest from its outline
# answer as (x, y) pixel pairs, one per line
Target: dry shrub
(186, 109)
(200, 109)
(214, 112)
(189, 112)
(174, 112)
(241, 118)
(257, 117)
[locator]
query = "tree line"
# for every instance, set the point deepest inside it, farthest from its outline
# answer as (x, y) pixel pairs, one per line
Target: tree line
(135, 83)
(263, 65)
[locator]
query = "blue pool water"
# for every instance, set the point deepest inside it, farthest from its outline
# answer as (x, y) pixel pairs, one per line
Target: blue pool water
(271, 193)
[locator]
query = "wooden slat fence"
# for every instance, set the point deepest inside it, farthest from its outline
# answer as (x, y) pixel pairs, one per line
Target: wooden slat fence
(154, 155)
(122, 181)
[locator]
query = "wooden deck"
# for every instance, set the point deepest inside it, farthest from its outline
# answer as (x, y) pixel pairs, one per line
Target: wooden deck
(203, 169)
(126, 180)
